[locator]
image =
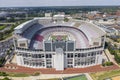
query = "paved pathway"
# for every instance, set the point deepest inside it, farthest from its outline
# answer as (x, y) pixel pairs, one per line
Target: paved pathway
(7, 23)
(7, 39)
(88, 76)
(111, 57)
(45, 76)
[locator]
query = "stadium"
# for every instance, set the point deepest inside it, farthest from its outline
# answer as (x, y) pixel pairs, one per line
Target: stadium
(51, 42)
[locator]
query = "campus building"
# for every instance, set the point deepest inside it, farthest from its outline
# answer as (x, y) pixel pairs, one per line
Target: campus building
(50, 42)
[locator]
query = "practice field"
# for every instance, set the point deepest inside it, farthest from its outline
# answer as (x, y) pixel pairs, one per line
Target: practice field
(81, 77)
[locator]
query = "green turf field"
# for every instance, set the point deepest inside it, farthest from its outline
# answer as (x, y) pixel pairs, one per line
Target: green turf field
(82, 77)
(63, 37)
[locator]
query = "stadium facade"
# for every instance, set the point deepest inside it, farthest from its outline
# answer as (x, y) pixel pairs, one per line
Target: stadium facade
(50, 42)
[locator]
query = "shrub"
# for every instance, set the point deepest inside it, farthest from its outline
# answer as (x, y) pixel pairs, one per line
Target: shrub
(117, 58)
(6, 78)
(108, 63)
(103, 64)
(3, 74)
(36, 74)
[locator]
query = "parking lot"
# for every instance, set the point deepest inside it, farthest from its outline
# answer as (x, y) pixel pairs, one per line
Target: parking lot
(5, 46)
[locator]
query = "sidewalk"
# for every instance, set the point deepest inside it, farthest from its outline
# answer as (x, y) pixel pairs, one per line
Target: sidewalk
(88, 76)
(45, 76)
(111, 57)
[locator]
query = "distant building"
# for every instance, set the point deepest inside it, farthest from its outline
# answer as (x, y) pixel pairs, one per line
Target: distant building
(48, 14)
(111, 29)
(59, 18)
(118, 13)
(4, 14)
(78, 15)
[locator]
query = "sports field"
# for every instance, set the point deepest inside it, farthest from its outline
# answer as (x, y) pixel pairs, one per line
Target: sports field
(81, 77)
(59, 37)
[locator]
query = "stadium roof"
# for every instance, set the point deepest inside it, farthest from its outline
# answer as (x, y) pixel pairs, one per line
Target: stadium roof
(87, 32)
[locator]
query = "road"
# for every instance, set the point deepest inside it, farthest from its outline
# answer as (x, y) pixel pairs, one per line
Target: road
(8, 23)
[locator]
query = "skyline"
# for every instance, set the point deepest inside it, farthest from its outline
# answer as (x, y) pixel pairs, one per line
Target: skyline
(40, 3)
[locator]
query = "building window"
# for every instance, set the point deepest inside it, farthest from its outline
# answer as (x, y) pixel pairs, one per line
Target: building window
(76, 55)
(70, 61)
(70, 55)
(48, 55)
(88, 54)
(22, 44)
(40, 55)
(79, 55)
(70, 66)
(34, 56)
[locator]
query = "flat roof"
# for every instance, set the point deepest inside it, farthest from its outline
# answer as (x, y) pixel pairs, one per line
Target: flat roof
(23, 24)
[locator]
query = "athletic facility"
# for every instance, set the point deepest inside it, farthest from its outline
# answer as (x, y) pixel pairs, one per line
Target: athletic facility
(50, 42)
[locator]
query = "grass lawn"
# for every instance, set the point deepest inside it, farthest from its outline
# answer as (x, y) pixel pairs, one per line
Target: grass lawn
(82, 77)
(7, 35)
(52, 79)
(18, 75)
(2, 27)
(104, 75)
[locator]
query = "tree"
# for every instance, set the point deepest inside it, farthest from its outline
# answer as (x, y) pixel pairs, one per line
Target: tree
(6, 78)
(66, 19)
(3, 74)
(2, 61)
(117, 58)
(1, 35)
(115, 45)
(108, 63)
(11, 19)
(8, 52)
